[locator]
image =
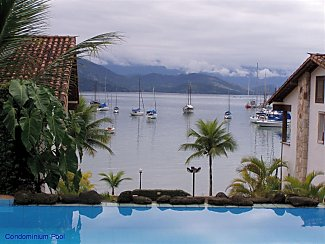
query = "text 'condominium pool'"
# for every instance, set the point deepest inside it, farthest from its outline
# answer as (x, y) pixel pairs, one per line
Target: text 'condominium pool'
(123, 224)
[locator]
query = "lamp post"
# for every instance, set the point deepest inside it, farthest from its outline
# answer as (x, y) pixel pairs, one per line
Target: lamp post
(140, 173)
(193, 170)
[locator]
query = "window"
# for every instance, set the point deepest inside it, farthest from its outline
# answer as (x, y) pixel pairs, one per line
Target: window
(321, 127)
(319, 94)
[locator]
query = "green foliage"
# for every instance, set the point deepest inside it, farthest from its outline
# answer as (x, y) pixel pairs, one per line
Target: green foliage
(14, 175)
(88, 132)
(114, 180)
(41, 129)
(257, 178)
(211, 140)
(305, 188)
(68, 186)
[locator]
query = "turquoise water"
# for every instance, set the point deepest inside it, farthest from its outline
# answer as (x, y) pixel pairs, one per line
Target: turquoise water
(96, 224)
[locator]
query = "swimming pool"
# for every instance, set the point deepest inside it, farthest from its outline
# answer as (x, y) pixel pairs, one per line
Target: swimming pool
(97, 224)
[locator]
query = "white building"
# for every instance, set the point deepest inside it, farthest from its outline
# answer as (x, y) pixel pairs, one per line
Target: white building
(303, 95)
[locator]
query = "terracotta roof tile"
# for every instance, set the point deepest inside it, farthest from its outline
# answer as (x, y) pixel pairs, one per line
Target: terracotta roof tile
(34, 57)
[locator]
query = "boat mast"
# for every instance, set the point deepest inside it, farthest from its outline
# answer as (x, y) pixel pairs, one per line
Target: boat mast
(115, 97)
(264, 103)
(228, 101)
(154, 97)
(257, 82)
(139, 92)
(190, 94)
(105, 91)
(96, 90)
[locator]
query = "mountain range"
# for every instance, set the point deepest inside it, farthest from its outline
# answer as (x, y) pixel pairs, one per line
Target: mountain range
(126, 79)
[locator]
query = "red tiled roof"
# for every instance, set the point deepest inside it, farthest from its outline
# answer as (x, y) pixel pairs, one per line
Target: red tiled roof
(309, 65)
(32, 60)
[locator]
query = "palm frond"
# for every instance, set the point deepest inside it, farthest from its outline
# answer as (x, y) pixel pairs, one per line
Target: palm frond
(19, 19)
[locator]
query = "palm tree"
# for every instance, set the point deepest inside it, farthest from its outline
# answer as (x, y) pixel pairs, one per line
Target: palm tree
(114, 180)
(258, 179)
(87, 131)
(211, 140)
(305, 188)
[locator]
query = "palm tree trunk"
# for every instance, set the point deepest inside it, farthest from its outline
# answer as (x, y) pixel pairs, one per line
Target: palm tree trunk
(210, 173)
(112, 191)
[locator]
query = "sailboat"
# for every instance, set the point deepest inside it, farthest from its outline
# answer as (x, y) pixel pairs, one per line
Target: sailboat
(116, 109)
(103, 106)
(228, 114)
(152, 113)
(94, 101)
(188, 108)
(137, 111)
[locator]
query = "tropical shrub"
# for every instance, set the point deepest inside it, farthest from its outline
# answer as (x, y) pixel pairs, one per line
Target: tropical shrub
(257, 178)
(84, 185)
(36, 121)
(114, 180)
(305, 188)
(211, 140)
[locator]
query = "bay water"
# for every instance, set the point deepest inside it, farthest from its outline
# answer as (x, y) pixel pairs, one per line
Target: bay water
(153, 145)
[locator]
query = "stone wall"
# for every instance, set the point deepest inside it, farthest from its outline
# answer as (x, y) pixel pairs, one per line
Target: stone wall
(302, 126)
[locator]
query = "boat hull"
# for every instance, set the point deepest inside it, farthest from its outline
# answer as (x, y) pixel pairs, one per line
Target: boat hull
(140, 113)
(188, 109)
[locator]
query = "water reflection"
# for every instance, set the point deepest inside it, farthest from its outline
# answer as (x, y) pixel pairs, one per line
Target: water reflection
(233, 210)
(127, 211)
(52, 223)
(78, 223)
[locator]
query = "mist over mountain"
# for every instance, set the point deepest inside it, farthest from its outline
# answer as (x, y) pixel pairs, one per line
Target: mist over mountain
(126, 79)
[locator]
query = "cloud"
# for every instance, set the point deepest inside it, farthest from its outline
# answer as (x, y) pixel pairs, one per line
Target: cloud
(199, 35)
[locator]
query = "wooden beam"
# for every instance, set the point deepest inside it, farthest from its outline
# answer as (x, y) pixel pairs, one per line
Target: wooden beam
(282, 107)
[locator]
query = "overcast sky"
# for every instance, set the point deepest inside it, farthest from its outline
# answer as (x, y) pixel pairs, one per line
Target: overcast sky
(222, 36)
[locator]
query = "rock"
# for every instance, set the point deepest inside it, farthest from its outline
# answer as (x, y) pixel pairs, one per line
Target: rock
(260, 200)
(221, 195)
(43, 198)
(278, 198)
(302, 201)
(163, 199)
(69, 198)
(154, 194)
(240, 201)
(90, 197)
(141, 200)
(125, 197)
(186, 200)
(218, 201)
(23, 198)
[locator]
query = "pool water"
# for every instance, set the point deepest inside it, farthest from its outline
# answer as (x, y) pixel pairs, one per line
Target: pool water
(97, 224)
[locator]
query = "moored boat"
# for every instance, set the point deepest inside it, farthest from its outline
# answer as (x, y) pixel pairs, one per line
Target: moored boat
(137, 111)
(189, 108)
